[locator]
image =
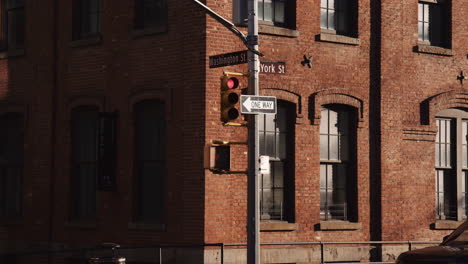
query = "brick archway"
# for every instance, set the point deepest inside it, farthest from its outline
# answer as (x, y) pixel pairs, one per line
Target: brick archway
(333, 97)
(445, 100)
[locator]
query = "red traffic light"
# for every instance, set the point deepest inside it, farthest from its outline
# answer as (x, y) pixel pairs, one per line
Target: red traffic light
(229, 82)
(232, 83)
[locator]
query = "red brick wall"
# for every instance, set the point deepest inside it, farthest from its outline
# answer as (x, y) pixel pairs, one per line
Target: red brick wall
(336, 68)
(391, 86)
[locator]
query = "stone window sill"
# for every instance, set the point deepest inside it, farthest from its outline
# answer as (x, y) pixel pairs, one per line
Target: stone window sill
(89, 224)
(277, 31)
(278, 226)
(11, 53)
(138, 33)
(147, 226)
(91, 41)
(446, 224)
(11, 221)
(422, 48)
(340, 39)
(339, 225)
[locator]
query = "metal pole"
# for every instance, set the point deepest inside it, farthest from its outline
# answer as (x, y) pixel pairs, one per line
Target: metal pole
(253, 198)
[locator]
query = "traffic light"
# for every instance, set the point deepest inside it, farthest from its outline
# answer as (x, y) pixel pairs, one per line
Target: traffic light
(231, 87)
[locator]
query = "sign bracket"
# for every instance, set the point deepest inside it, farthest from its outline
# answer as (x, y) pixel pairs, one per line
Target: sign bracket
(229, 25)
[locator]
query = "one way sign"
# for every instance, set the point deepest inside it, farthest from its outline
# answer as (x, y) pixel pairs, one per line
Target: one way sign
(258, 104)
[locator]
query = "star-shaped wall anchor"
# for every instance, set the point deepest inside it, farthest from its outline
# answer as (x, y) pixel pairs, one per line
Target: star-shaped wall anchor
(461, 77)
(307, 60)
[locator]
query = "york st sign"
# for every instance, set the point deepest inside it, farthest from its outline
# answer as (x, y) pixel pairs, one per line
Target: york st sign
(272, 67)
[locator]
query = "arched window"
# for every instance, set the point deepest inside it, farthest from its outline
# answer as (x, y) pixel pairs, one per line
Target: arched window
(451, 164)
(276, 134)
(150, 158)
(338, 188)
(11, 164)
(84, 162)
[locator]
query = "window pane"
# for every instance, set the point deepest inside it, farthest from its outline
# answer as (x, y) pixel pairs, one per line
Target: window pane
(465, 189)
(267, 181)
(11, 164)
(334, 148)
(13, 191)
(439, 194)
(323, 3)
(260, 10)
(420, 31)
(426, 32)
(279, 11)
(344, 150)
(16, 28)
(323, 176)
(282, 145)
(94, 6)
(283, 119)
(447, 132)
(426, 13)
(464, 132)
(450, 195)
(443, 157)
(323, 18)
(278, 174)
(324, 147)
(267, 201)
(331, 19)
(420, 12)
(270, 144)
(324, 121)
(464, 145)
(278, 204)
(268, 10)
(270, 123)
(333, 125)
(262, 143)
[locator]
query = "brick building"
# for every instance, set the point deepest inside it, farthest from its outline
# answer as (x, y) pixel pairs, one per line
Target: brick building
(107, 109)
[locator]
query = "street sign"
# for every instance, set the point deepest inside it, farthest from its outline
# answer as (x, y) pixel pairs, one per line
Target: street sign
(264, 164)
(272, 67)
(234, 58)
(258, 104)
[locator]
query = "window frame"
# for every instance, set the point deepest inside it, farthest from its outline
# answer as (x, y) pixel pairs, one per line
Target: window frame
(345, 161)
(141, 24)
(81, 16)
(12, 30)
(286, 160)
(15, 163)
(344, 19)
(457, 169)
(240, 15)
(138, 214)
(434, 23)
(86, 211)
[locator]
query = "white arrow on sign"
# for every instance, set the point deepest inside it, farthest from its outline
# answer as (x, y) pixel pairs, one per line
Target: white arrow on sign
(246, 104)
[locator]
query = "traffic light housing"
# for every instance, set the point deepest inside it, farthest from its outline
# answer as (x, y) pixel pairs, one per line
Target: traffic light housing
(231, 85)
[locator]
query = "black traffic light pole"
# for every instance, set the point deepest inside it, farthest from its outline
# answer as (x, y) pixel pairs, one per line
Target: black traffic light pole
(253, 196)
